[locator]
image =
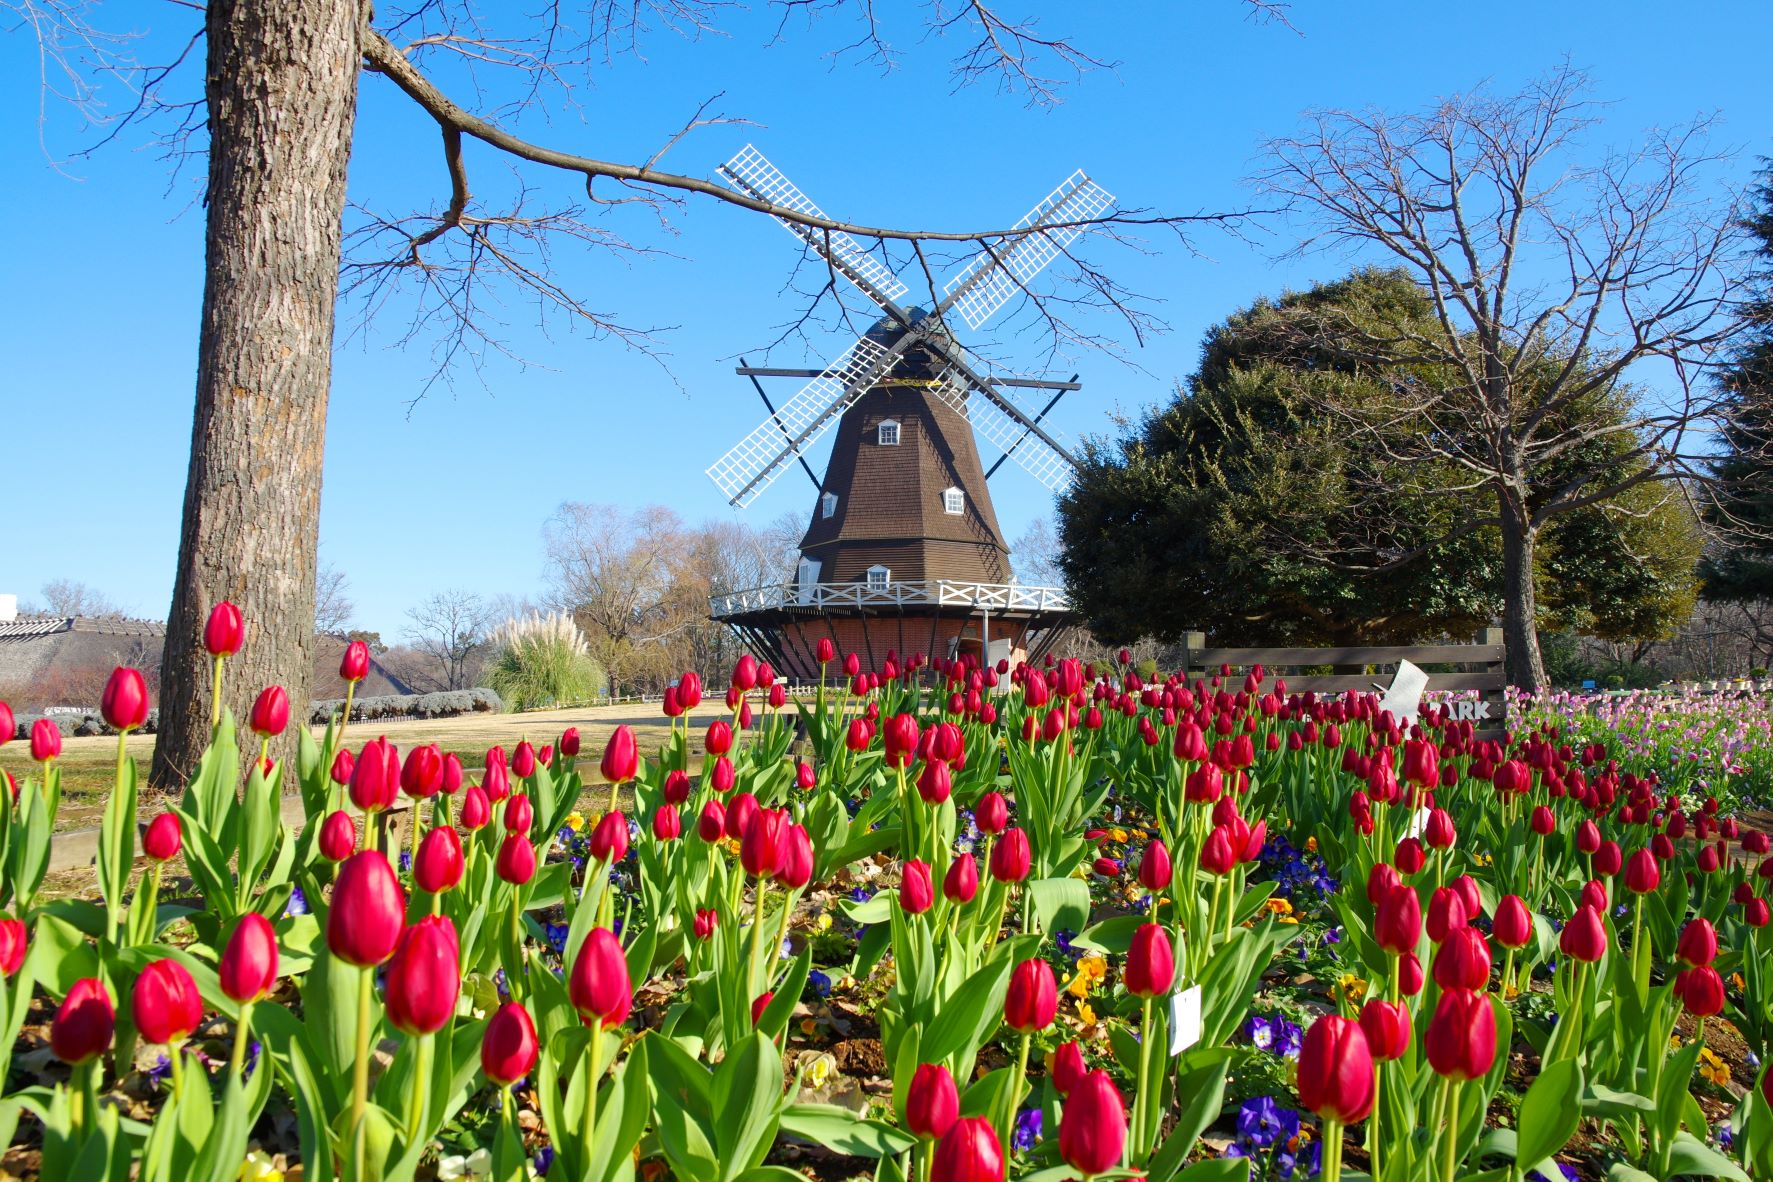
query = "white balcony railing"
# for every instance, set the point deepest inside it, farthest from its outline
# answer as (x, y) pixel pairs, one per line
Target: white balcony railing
(994, 597)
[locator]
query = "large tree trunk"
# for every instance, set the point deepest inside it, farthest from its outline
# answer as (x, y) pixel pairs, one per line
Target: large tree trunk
(1520, 611)
(282, 95)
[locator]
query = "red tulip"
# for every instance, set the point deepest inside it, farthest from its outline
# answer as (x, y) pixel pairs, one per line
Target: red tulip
(1033, 997)
(569, 742)
(705, 923)
(1513, 925)
(1154, 866)
(609, 840)
(825, 651)
(520, 814)
(1701, 991)
(968, 1152)
(344, 766)
(225, 631)
(1336, 1076)
(1093, 1125)
(993, 814)
(125, 700)
(961, 882)
(1410, 857)
(1387, 1027)
(1755, 912)
(1439, 833)
(1011, 857)
(375, 781)
(759, 1004)
(916, 894)
(1463, 961)
(932, 1102)
(1461, 1037)
(711, 824)
(496, 781)
(1446, 914)
(1151, 962)
(8, 725)
(1698, 943)
(84, 1023)
(509, 1048)
(797, 859)
(900, 737)
(1068, 1067)
(165, 1003)
(46, 740)
(1398, 925)
(163, 838)
(338, 836)
(1588, 837)
(1542, 821)
(422, 775)
(14, 942)
(1217, 855)
(516, 862)
(439, 865)
(424, 977)
(667, 823)
(1410, 976)
(354, 665)
(1642, 874)
(270, 712)
(935, 783)
(740, 812)
(368, 910)
(599, 985)
(621, 755)
(248, 968)
(764, 846)
(1608, 859)
(1584, 938)
(523, 760)
(1380, 880)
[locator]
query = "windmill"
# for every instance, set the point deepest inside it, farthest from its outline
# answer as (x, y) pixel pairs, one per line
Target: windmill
(904, 552)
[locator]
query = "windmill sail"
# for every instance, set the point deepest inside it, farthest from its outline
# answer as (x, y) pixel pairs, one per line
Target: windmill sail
(1011, 435)
(754, 463)
(750, 173)
(992, 278)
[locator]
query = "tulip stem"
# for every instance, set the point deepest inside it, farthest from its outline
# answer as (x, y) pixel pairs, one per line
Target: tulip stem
(1140, 1104)
(1374, 1140)
(594, 1051)
(420, 1093)
(241, 1025)
(215, 696)
(1450, 1147)
(173, 1054)
(360, 1068)
(1331, 1132)
(1014, 1096)
(413, 840)
(757, 932)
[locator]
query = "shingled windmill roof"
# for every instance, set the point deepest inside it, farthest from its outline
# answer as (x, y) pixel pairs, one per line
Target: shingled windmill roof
(890, 507)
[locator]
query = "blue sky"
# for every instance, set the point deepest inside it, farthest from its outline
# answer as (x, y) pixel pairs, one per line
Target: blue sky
(105, 261)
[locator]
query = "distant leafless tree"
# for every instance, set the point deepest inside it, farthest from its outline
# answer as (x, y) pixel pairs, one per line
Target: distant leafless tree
(1035, 555)
(332, 604)
(67, 597)
(449, 630)
(1553, 271)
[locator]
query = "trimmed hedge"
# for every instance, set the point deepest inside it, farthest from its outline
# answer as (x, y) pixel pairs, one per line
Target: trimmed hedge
(441, 705)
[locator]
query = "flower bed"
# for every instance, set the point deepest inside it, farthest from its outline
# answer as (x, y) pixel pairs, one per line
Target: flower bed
(951, 923)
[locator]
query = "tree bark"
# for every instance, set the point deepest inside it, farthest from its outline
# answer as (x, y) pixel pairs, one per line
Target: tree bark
(1520, 610)
(282, 96)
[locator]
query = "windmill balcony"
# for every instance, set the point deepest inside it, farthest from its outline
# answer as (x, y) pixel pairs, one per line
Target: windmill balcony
(947, 593)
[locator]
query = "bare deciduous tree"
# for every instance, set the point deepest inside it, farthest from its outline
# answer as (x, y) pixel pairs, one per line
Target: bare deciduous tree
(1554, 271)
(69, 597)
(333, 608)
(449, 631)
(1035, 555)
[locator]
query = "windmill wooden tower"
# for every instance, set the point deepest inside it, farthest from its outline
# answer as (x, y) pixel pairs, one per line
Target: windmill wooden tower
(903, 553)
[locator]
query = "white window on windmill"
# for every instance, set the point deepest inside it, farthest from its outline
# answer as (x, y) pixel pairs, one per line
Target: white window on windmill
(878, 578)
(954, 502)
(828, 505)
(807, 580)
(888, 433)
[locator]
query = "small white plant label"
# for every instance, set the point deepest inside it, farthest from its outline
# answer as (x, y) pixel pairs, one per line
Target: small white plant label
(1184, 1019)
(1418, 823)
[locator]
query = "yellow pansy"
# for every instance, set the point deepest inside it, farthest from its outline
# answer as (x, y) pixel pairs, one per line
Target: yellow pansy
(1311, 845)
(1085, 1014)
(1118, 835)
(823, 923)
(258, 1167)
(1092, 970)
(1277, 906)
(1353, 988)
(1712, 1067)
(574, 821)
(819, 1070)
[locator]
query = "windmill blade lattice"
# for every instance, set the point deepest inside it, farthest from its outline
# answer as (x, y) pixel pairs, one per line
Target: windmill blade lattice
(992, 279)
(1012, 438)
(751, 173)
(754, 463)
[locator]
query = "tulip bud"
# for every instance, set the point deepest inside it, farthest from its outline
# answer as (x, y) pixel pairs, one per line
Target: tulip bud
(424, 977)
(523, 759)
(916, 894)
(375, 781)
(509, 1048)
(935, 784)
(1461, 1038)
(338, 836)
(1584, 938)
(1608, 859)
(46, 740)
(14, 943)
(83, 1024)
(763, 847)
(961, 882)
(621, 756)
(1409, 857)
(1380, 880)
(1463, 961)
(270, 712)
(368, 910)
(422, 775)
(1446, 914)
(932, 1102)
(163, 838)
(516, 861)
(476, 808)
(711, 824)
(705, 923)
(1642, 874)
(125, 700)
(439, 865)
(520, 814)
(969, 1151)
(8, 725)
(1513, 925)
(1439, 832)
(1093, 1125)
(1698, 944)
(804, 776)
(1068, 1067)
(1398, 924)
(1155, 870)
(1011, 857)
(1033, 997)
(165, 1003)
(248, 968)
(993, 814)
(1701, 991)
(1151, 962)
(1336, 1074)
(599, 985)
(344, 766)
(225, 631)
(354, 665)
(667, 823)
(1387, 1027)
(797, 859)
